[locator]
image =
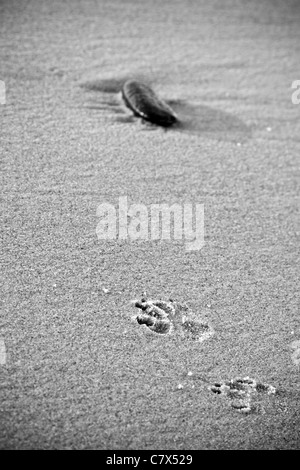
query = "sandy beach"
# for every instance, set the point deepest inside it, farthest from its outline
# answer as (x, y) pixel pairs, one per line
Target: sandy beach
(76, 370)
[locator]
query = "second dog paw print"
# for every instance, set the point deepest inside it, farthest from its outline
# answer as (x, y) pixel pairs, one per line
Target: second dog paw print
(241, 391)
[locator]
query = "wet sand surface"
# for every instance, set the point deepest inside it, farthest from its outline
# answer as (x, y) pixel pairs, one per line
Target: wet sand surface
(77, 372)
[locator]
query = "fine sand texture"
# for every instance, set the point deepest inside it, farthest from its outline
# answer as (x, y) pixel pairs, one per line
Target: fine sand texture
(81, 366)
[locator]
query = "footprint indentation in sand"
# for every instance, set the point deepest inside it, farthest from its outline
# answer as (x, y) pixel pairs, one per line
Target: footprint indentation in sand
(241, 392)
(167, 317)
(296, 354)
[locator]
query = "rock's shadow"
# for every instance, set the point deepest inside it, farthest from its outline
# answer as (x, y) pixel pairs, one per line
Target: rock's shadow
(209, 122)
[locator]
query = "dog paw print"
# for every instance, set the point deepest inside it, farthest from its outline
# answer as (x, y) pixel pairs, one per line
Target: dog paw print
(241, 392)
(166, 317)
(295, 345)
(156, 315)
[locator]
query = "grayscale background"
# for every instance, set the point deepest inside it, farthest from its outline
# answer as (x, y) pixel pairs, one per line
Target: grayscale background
(76, 372)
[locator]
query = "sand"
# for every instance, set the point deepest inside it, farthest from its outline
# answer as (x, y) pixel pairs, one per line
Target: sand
(77, 372)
